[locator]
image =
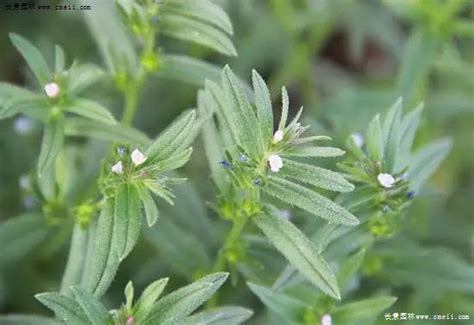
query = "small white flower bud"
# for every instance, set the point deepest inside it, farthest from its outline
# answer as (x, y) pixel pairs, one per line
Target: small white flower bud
(358, 139)
(275, 163)
(138, 157)
(278, 136)
(118, 168)
(386, 180)
(51, 89)
(326, 320)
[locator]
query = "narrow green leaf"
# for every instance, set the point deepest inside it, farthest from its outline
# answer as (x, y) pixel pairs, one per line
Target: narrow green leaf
(392, 131)
(203, 10)
(408, 128)
(177, 305)
(64, 308)
(91, 110)
(23, 319)
(109, 132)
(285, 102)
(187, 69)
(33, 57)
(174, 138)
(227, 315)
(299, 251)
(308, 200)
(366, 309)
(315, 152)
(83, 76)
(316, 176)
(264, 106)
(127, 219)
(375, 139)
(29, 104)
(349, 269)
(192, 30)
(148, 298)
(129, 294)
(425, 162)
(149, 205)
(175, 161)
(248, 132)
(286, 306)
(53, 139)
(59, 59)
(76, 260)
(104, 261)
(21, 234)
(95, 311)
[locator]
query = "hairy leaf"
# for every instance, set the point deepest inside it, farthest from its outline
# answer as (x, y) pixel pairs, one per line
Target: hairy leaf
(227, 315)
(375, 139)
(288, 307)
(64, 308)
(316, 176)
(53, 139)
(33, 57)
(91, 110)
(95, 311)
(177, 305)
(148, 298)
(264, 106)
(308, 200)
(23, 319)
(366, 309)
(392, 135)
(299, 251)
(315, 152)
(149, 205)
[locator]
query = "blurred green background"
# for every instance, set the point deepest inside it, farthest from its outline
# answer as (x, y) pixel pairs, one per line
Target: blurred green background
(344, 61)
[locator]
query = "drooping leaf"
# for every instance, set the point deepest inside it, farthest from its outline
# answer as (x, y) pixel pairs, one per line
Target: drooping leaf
(177, 305)
(174, 138)
(148, 298)
(315, 152)
(264, 106)
(192, 30)
(64, 308)
(203, 10)
(33, 58)
(53, 139)
(425, 162)
(109, 132)
(227, 315)
(188, 69)
(288, 307)
(316, 176)
(21, 234)
(91, 110)
(149, 205)
(299, 251)
(95, 311)
(363, 310)
(308, 200)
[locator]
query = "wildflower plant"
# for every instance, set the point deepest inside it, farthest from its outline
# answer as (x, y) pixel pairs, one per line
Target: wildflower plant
(258, 162)
(311, 244)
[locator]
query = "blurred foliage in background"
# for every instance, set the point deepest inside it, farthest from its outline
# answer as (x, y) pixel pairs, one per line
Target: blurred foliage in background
(344, 61)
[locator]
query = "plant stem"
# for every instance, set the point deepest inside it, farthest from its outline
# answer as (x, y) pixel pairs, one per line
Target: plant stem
(131, 101)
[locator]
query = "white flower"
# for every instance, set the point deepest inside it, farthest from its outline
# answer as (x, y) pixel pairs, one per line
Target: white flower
(386, 180)
(326, 320)
(118, 168)
(51, 89)
(138, 157)
(275, 163)
(278, 136)
(358, 139)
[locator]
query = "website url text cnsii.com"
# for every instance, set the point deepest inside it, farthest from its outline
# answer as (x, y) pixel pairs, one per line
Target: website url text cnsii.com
(18, 6)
